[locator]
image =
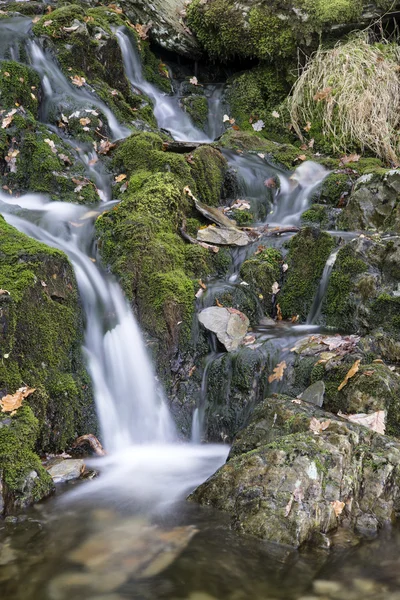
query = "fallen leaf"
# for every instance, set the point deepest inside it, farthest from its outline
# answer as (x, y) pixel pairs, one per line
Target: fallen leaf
(199, 293)
(351, 158)
(275, 287)
(323, 94)
(270, 182)
(307, 127)
(318, 426)
(194, 81)
(77, 80)
(295, 318)
(218, 303)
(203, 285)
(114, 93)
(71, 29)
(105, 146)
(51, 144)
(285, 267)
(275, 114)
(84, 121)
(258, 125)
(225, 118)
(374, 421)
(338, 507)
(143, 30)
(350, 373)
(192, 370)
(12, 402)
(278, 313)
(188, 191)
(47, 23)
(296, 401)
(302, 157)
(277, 375)
(120, 178)
(64, 158)
(4, 292)
(368, 373)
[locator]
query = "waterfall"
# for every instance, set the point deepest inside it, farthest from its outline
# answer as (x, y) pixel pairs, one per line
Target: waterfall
(57, 87)
(316, 308)
(167, 111)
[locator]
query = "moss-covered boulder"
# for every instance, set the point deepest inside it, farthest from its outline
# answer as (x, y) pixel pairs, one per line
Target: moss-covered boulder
(261, 271)
(228, 29)
(363, 294)
(283, 482)
(41, 333)
(307, 256)
(19, 86)
(34, 159)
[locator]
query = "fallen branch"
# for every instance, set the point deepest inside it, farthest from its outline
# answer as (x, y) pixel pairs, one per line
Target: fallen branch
(93, 442)
(266, 231)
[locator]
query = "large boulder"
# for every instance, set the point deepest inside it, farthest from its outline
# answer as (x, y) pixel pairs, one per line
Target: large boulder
(297, 471)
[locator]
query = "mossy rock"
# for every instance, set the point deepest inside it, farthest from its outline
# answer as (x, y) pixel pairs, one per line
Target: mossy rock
(261, 271)
(317, 214)
(42, 162)
(139, 239)
(41, 337)
(19, 86)
(196, 105)
(228, 29)
(208, 168)
(307, 256)
(258, 94)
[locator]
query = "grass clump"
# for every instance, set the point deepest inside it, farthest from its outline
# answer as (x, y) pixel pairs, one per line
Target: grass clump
(349, 98)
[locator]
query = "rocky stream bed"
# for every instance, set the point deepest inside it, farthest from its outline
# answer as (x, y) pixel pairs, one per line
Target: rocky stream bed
(196, 304)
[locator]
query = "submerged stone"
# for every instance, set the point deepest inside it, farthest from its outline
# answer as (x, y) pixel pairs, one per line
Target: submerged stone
(229, 325)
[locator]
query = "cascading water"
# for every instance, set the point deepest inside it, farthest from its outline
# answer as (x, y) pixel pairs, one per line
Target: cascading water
(167, 111)
(316, 308)
(57, 88)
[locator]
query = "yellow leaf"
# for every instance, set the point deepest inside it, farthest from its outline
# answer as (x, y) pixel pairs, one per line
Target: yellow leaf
(12, 402)
(278, 372)
(350, 374)
(77, 80)
(120, 178)
(84, 121)
(278, 313)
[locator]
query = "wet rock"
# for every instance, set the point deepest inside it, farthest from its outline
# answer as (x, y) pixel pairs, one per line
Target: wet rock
(230, 325)
(223, 236)
(374, 204)
(215, 215)
(314, 394)
(63, 470)
(288, 489)
(167, 28)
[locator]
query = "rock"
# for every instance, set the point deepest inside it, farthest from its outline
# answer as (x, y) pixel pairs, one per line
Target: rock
(374, 203)
(230, 325)
(285, 490)
(223, 236)
(215, 215)
(66, 469)
(168, 29)
(314, 394)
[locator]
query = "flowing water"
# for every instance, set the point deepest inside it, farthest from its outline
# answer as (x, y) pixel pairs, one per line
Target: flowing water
(128, 534)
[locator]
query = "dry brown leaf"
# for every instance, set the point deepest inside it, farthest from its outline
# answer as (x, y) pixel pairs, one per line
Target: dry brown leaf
(120, 178)
(270, 182)
(323, 94)
(296, 401)
(12, 402)
(105, 146)
(278, 372)
(374, 421)
(278, 313)
(218, 303)
(368, 373)
(338, 507)
(302, 157)
(77, 80)
(84, 121)
(307, 127)
(350, 373)
(203, 285)
(318, 426)
(192, 370)
(194, 81)
(351, 158)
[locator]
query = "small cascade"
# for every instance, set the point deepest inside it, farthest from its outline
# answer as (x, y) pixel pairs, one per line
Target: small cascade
(57, 88)
(316, 308)
(14, 32)
(216, 110)
(167, 111)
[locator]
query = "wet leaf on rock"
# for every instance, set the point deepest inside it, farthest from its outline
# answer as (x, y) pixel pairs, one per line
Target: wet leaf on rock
(374, 421)
(277, 375)
(351, 158)
(119, 178)
(349, 374)
(318, 426)
(12, 402)
(77, 80)
(105, 146)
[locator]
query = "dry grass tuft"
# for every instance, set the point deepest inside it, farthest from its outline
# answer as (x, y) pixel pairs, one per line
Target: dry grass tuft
(351, 94)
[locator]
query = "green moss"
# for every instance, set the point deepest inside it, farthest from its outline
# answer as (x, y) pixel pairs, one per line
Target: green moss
(19, 86)
(42, 336)
(208, 168)
(308, 253)
(340, 304)
(332, 189)
(19, 464)
(316, 214)
(197, 107)
(260, 272)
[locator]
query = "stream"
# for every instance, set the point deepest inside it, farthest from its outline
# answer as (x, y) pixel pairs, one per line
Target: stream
(129, 533)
